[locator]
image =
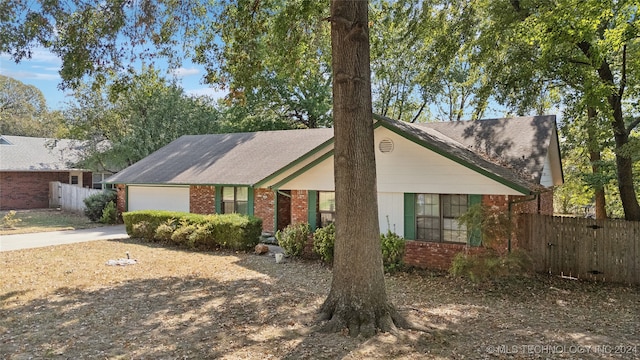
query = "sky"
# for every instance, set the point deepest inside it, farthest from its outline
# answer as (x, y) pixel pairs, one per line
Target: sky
(42, 71)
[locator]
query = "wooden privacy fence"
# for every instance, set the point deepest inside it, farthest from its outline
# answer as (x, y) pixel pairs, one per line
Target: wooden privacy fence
(69, 197)
(606, 250)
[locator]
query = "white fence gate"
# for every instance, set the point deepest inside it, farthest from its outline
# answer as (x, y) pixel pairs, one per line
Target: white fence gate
(68, 197)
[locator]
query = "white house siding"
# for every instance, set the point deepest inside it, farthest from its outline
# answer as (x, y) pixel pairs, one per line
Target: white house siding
(391, 212)
(174, 198)
(319, 177)
(552, 170)
(409, 168)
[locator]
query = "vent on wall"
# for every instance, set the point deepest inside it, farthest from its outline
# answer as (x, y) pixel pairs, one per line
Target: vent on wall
(385, 146)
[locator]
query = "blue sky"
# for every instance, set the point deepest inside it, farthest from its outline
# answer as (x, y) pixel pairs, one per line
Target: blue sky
(42, 71)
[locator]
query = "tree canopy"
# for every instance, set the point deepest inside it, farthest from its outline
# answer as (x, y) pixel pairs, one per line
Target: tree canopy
(23, 111)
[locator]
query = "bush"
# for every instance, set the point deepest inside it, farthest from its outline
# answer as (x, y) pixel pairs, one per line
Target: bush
(489, 265)
(233, 231)
(95, 204)
(156, 218)
(181, 235)
(323, 242)
(142, 230)
(203, 236)
(293, 238)
(392, 251)
(9, 220)
(165, 230)
(236, 231)
(109, 213)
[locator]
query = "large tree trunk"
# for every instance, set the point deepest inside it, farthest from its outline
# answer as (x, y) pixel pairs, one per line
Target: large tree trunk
(357, 300)
(595, 158)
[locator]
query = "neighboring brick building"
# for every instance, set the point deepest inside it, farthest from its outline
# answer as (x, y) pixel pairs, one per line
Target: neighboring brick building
(427, 174)
(28, 164)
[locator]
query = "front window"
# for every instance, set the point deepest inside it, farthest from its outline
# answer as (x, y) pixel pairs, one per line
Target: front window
(326, 207)
(436, 217)
(97, 182)
(235, 200)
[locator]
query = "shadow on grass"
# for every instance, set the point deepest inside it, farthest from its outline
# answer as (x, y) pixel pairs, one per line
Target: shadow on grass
(273, 316)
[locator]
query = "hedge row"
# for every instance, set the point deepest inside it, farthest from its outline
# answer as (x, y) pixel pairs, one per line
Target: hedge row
(230, 231)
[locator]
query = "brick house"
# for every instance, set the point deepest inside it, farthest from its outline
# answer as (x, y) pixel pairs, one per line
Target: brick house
(28, 164)
(428, 174)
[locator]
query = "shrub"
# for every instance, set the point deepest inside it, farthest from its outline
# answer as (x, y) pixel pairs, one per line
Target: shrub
(9, 220)
(323, 242)
(236, 231)
(182, 233)
(157, 217)
(165, 230)
(142, 230)
(95, 204)
(203, 236)
(109, 213)
(233, 231)
(293, 238)
(489, 265)
(392, 250)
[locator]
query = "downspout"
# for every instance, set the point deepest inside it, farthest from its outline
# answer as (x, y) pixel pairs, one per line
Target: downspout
(534, 196)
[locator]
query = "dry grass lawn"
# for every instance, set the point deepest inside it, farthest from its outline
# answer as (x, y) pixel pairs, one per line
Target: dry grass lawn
(64, 302)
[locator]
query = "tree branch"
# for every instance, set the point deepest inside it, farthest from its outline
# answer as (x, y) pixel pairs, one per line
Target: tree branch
(632, 126)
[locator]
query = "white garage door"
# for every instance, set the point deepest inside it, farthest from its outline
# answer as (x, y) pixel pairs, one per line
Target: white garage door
(174, 198)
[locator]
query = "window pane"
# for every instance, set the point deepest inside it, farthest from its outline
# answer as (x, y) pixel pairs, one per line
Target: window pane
(227, 207)
(242, 194)
(327, 201)
(327, 218)
(241, 207)
(428, 228)
(228, 193)
(454, 205)
(454, 231)
(427, 204)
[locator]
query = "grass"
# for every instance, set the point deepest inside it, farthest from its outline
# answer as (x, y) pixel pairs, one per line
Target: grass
(41, 220)
(64, 302)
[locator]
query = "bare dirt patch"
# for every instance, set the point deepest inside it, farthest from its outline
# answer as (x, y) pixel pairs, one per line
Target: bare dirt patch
(64, 302)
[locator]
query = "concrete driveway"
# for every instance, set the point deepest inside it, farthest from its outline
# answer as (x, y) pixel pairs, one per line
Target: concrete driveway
(28, 241)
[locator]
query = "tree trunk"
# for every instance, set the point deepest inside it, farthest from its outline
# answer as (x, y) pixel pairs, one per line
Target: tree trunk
(595, 158)
(357, 300)
(624, 164)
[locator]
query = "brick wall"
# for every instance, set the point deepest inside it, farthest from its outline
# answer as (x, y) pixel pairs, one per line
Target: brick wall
(299, 205)
(263, 207)
(27, 190)
(202, 199)
(431, 255)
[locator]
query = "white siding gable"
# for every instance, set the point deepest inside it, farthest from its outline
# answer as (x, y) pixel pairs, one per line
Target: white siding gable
(408, 168)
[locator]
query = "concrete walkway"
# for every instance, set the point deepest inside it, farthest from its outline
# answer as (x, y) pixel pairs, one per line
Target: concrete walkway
(35, 240)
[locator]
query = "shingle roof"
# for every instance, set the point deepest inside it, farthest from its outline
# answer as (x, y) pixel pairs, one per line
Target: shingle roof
(519, 143)
(21, 153)
(493, 147)
(232, 159)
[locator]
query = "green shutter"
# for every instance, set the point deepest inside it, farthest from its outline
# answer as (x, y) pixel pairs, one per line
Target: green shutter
(312, 204)
(410, 216)
(250, 201)
(475, 235)
(218, 199)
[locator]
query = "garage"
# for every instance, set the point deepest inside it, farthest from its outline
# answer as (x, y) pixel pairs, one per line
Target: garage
(174, 198)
